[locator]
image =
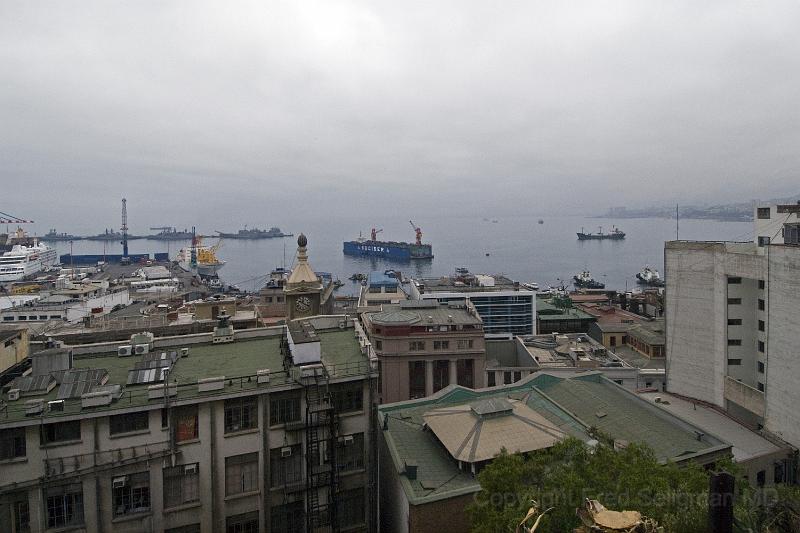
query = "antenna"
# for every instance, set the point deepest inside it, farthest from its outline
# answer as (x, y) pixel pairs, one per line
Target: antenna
(677, 223)
(124, 227)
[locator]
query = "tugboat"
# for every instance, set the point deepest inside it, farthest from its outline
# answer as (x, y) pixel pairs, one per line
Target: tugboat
(615, 235)
(585, 280)
(650, 277)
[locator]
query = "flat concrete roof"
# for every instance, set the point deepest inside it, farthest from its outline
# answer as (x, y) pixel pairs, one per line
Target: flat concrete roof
(746, 443)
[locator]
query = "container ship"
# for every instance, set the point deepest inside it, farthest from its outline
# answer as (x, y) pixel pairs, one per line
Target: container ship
(398, 251)
(615, 234)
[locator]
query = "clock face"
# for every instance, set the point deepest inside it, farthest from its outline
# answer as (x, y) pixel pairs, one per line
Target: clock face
(302, 304)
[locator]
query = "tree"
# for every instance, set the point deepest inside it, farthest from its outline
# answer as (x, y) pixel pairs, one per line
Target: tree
(564, 475)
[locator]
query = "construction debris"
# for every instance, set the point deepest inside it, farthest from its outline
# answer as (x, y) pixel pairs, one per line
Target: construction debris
(532, 512)
(596, 518)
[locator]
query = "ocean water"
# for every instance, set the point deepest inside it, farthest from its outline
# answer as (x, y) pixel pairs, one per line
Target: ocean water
(516, 246)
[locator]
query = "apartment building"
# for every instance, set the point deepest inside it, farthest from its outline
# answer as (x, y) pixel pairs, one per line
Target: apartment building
(732, 323)
(266, 429)
(423, 346)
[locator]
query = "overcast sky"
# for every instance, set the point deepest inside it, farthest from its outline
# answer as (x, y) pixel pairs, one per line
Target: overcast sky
(235, 109)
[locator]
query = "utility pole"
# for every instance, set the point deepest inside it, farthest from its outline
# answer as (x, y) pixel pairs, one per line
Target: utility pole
(124, 228)
(677, 223)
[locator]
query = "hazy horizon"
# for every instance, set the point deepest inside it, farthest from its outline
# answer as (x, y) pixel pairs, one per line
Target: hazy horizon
(209, 114)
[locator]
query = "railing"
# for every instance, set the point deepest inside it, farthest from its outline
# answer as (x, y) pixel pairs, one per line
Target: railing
(76, 464)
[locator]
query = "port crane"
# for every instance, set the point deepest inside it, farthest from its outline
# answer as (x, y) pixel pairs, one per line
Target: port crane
(124, 230)
(6, 218)
(375, 233)
(418, 232)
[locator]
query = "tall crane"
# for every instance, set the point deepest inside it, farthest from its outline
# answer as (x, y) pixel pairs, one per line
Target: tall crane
(375, 233)
(6, 218)
(418, 231)
(124, 227)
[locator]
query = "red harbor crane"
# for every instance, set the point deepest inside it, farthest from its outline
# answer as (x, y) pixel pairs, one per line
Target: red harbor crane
(375, 233)
(418, 231)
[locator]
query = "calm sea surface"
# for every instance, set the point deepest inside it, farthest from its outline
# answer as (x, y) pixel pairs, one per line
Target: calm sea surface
(518, 247)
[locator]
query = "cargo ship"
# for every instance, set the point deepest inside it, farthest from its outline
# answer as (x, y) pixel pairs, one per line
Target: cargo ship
(200, 259)
(615, 234)
(53, 235)
(397, 251)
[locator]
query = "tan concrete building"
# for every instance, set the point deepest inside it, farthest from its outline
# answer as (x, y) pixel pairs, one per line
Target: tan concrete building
(14, 346)
(423, 346)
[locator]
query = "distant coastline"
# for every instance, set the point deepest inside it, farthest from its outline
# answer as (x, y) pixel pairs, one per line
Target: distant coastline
(718, 213)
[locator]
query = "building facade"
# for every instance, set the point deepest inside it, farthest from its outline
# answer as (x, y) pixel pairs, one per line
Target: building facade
(732, 322)
(424, 346)
(252, 433)
(506, 306)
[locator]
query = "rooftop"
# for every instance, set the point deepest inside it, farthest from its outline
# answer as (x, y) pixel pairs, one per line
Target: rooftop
(425, 312)
(378, 279)
(464, 281)
(547, 310)
(651, 332)
(418, 431)
(239, 362)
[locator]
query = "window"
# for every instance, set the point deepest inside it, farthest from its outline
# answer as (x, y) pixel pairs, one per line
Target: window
(191, 528)
(760, 367)
(441, 345)
(131, 494)
(241, 473)
(517, 376)
(763, 213)
(734, 342)
(181, 485)
(734, 321)
(242, 523)
(379, 345)
(763, 241)
(465, 372)
(12, 443)
(491, 381)
(128, 422)
(22, 513)
(465, 344)
(350, 507)
(416, 346)
(761, 284)
(60, 432)
(734, 301)
(348, 397)
(268, 299)
(164, 418)
(64, 505)
(279, 299)
(241, 414)
(734, 280)
(761, 325)
(618, 381)
(734, 362)
(350, 452)
(761, 304)
(283, 409)
(777, 474)
(760, 386)
(441, 375)
(416, 379)
(761, 478)
(761, 346)
(791, 233)
(288, 518)
(506, 378)
(186, 423)
(286, 465)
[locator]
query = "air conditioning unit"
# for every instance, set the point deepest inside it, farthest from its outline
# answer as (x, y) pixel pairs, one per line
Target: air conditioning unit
(347, 440)
(119, 482)
(262, 375)
(13, 395)
(286, 452)
(123, 351)
(142, 349)
(34, 407)
(56, 406)
(184, 352)
(190, 469)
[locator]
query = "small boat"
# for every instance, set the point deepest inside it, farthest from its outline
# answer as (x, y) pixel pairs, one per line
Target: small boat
(540, 221)
(615, 235)
(358, 277)
(649, 276)
(585, 280)
(337, 284)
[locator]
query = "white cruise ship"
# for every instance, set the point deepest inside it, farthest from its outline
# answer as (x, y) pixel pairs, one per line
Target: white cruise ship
(23, 261)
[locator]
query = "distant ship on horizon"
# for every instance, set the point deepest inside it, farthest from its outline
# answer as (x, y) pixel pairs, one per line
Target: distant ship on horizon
(615, 234)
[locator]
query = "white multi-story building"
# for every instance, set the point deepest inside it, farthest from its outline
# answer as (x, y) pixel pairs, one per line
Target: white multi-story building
(732, 323)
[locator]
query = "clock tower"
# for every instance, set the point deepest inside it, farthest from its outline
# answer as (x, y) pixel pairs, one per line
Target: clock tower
(303, 289)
